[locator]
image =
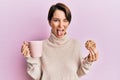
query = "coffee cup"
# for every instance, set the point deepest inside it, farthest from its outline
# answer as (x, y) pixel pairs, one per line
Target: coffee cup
(35, 48)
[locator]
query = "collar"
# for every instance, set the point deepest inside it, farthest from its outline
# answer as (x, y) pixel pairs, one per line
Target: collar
(58, 41)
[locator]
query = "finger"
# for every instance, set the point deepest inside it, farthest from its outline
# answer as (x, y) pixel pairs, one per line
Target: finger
(93, 56)
(96, 57)
(95, 53)
(90, 57)
(91, 51)
(94, 50)
(26, 43)
(25, 50)
(23, 47)
(28, 51)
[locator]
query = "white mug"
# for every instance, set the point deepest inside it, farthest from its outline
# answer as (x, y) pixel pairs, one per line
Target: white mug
(35, 48)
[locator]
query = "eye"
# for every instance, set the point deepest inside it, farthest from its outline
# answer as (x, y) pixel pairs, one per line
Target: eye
(55, 20)
(65, 20)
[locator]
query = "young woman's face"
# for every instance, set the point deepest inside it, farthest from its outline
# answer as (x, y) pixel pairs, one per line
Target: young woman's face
(59, 24)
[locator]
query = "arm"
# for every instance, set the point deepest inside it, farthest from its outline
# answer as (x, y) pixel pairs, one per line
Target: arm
(33, 64)
(84, 67)
(34, 67)
(85, 63)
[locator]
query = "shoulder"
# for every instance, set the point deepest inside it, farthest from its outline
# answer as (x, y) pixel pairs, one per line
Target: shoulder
(76, 42)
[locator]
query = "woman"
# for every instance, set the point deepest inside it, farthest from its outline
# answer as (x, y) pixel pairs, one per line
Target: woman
(61, 56)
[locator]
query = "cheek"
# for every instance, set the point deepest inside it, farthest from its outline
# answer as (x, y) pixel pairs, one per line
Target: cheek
(54, 26)
(66, 26)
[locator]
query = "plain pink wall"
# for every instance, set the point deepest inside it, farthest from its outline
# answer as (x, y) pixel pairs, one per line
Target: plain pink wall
(24, 20)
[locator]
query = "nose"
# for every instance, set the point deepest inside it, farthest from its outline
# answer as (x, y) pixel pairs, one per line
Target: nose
(61, 25)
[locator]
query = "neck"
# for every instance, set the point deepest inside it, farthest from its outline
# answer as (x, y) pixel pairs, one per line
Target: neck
(58, 41)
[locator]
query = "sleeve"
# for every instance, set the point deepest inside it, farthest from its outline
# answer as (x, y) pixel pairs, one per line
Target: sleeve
(34, 67)
(83, 65)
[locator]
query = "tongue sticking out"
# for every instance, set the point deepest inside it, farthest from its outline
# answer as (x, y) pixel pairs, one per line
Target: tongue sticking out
(60, 32)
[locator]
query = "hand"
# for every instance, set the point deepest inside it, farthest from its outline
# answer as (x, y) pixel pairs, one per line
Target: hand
(93, 55)
(25, 49)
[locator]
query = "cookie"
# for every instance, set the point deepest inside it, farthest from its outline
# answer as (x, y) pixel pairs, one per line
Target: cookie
(90, 44)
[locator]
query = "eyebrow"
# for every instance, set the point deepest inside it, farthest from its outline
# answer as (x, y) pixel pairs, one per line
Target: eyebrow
(58, 18)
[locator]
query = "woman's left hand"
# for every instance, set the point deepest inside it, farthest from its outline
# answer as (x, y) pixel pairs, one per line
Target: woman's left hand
(93, 55)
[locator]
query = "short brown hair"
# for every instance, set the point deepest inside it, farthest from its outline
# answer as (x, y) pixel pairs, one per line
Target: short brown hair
(59, 6)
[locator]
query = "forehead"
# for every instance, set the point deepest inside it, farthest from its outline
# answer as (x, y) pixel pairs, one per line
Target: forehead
(59, 14)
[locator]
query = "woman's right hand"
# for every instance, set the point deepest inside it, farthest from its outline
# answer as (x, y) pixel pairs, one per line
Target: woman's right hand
(25, 50)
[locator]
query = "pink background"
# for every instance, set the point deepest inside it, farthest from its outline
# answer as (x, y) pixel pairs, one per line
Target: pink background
(25, 20)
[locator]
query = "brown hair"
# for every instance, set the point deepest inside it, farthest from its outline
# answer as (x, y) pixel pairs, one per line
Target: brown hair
(59, 6)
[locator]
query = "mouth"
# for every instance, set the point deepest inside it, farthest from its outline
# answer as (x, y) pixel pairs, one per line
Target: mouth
(60, 32)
